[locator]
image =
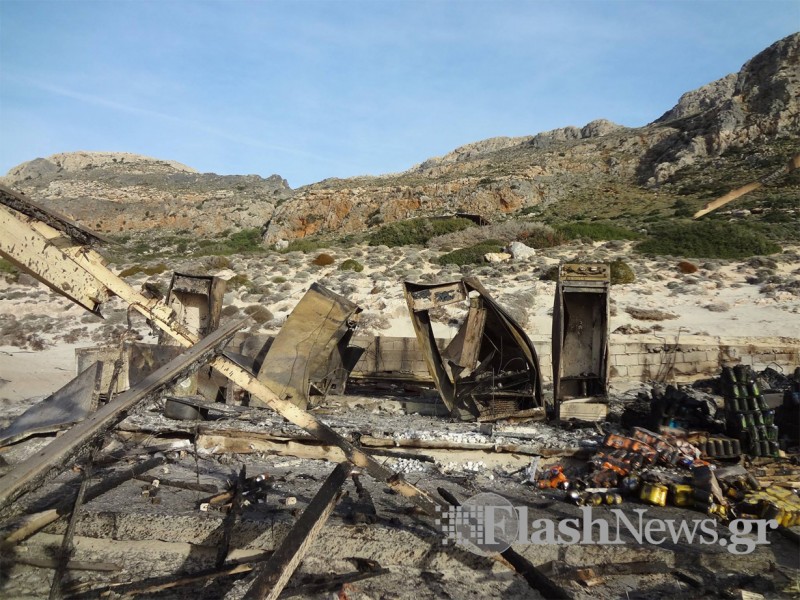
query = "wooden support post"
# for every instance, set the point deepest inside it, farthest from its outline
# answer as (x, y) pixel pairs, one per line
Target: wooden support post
(65, 553)
(230, 519)
(476, 322)
(59, 452)
(275, 574)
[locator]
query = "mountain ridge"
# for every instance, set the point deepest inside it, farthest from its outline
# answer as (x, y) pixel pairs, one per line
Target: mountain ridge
(738, 124)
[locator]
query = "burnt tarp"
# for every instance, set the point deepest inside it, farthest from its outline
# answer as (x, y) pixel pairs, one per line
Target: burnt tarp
(312, 351)
(490, 368)
(69, 405)
(580, 331)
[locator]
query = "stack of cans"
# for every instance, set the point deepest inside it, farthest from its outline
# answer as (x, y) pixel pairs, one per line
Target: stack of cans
(747, 415)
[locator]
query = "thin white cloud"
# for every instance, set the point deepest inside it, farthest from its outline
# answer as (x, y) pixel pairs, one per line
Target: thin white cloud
(194, 125)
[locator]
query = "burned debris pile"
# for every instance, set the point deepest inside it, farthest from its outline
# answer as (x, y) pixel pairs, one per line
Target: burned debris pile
(677, 447)
(490, 369)
(205, 458)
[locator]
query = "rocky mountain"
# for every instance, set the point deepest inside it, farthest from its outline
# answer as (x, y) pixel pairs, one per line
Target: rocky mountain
(118, 192)
(600, 169)
(729, 132)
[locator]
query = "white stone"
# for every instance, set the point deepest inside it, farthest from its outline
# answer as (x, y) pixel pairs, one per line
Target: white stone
(497, 257)
(520, 251)
(281, 245)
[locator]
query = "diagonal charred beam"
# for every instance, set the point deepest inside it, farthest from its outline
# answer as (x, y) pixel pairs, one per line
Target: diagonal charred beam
(26, 526)
(76, 440)
(275, 574)
(54, 219)
(82, 261)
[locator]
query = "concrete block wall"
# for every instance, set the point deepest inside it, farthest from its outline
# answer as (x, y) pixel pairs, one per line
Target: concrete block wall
(631, 358)
(686, 358)
(398, 355)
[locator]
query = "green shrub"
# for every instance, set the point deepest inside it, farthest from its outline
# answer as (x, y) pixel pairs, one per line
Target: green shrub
(323, 260)
(598, 231)
(305, 245)
(218, 262)
(8, 270)
(279, 279)
(416, 231)
(541, 237)
(535, 235)
(136, 269)
(351, 265)
(230, 310)
(244, 241)
(707, 239)
(472, 255)
(621, 272)
(237, 281)
(260, 314)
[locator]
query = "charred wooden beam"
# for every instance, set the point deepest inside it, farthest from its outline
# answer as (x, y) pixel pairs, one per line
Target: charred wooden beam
(60, 451)
(65, 552)
(230, 518)
(54, 219)
(275, 574)
(534, 576)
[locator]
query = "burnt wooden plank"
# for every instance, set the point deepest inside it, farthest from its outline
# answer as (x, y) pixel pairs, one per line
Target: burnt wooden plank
(476, 321)
(275, 574)
(54, 219)
(26, 526)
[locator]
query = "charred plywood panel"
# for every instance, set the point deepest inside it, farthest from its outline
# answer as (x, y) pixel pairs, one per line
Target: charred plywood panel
(71, 404)
(312, 346)
(580, 331)
(490, 367)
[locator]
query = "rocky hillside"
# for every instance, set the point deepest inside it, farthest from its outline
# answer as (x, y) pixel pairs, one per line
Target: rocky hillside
(743, 125)
(117, 192)
(725, 134)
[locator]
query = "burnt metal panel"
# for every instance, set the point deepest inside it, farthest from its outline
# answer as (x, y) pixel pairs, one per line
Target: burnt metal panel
(69, 405)
(310, 347)
(490, 366)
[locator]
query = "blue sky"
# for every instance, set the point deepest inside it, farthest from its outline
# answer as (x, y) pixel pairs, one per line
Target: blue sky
(337, 88)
